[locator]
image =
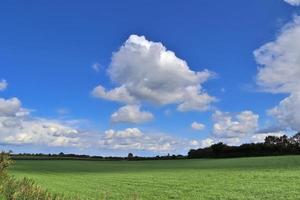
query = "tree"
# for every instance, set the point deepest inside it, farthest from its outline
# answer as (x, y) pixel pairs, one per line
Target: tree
(130, 156)
(271, 140)
(219, 147)
(295, 139)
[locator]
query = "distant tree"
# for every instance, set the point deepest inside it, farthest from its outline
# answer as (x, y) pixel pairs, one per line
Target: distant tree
(130, 156)
(295, 139)
(271, 140)
(219, 147)
(284, 140)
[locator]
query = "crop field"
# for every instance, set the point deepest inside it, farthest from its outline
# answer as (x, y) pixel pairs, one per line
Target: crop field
(240, 178)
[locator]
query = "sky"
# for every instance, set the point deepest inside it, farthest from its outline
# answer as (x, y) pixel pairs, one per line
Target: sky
(147, 77)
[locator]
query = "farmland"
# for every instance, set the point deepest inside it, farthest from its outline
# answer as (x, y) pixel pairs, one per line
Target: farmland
(239, 178)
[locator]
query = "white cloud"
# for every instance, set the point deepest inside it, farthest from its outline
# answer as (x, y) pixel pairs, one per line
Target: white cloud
(197, 126)
(258, 138)
(9, 106)
(206, 142)
(117, 94)
(18, 127)
(146, 71)
(135, 139)
(131, 114)
(96, 67)
(279, 61)
(194, 143)
(38, 132)
(279, 72)
(168, 112)
(63, 111)
(293, 2)
(127, 133)
(227, 125)
(287, 113)
(234, 141)
(202, 143)
(195, 101)
(3, 85)
(229, 128)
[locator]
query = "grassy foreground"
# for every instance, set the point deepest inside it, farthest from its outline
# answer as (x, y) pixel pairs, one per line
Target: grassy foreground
(240, 178)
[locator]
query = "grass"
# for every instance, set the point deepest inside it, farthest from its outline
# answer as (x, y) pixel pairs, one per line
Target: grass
(240, 178)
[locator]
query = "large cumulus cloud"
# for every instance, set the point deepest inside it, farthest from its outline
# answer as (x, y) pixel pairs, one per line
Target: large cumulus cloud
(145, 71)
(279, 72)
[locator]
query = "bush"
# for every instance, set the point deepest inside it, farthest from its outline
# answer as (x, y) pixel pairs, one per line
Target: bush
(24, 189)
(5, 162)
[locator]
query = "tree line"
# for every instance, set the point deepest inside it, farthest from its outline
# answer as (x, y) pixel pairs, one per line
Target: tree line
(272, 146)
(63, 156)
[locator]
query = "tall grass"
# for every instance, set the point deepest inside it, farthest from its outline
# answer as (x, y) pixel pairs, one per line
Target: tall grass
(21, 189)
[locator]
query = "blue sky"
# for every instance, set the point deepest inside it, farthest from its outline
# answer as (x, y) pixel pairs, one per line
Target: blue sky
(54, 54)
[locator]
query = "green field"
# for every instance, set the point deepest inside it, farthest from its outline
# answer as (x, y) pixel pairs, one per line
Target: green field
(241, 178)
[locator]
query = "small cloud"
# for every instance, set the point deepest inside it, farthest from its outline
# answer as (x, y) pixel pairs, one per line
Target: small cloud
(10, 107)
(293, 2)
(96, 67)
(168, 112)
(197, 126)
(201, 143)
(117, 94)
(131, 114)
(3, 85)
(63, 111)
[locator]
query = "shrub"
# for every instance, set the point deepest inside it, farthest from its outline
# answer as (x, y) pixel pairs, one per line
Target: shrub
(23, 189)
